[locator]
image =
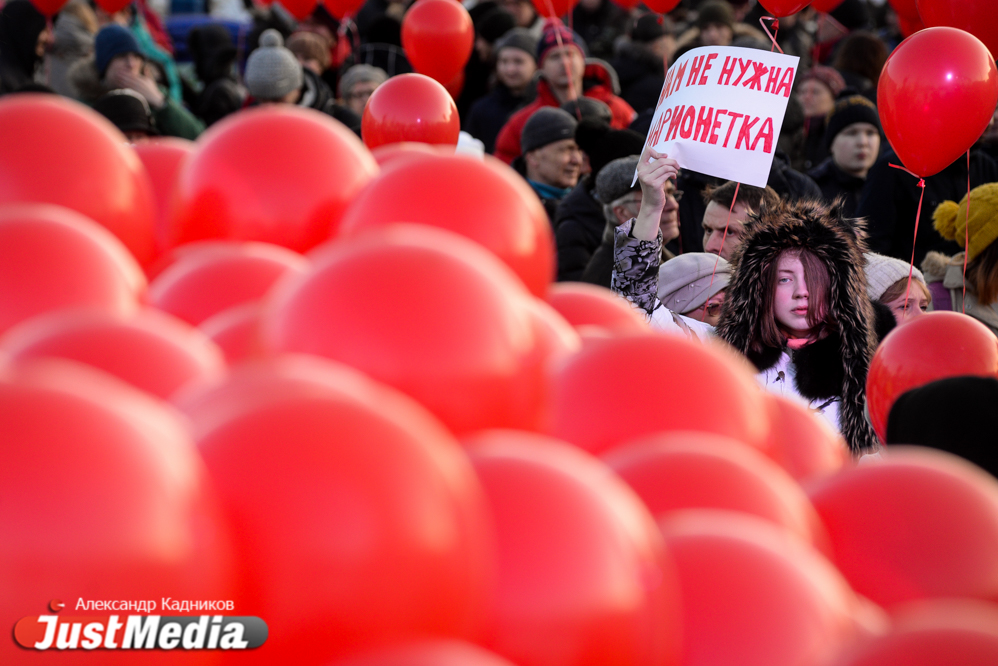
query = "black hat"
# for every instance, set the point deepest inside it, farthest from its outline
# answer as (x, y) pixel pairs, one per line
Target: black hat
(127, 109)
(547, 125)
(518, 38)
(711, 13)
(587, 108)
(850, 109)
(495, 24)
(953, 414)
(603, 145)
(650, 27)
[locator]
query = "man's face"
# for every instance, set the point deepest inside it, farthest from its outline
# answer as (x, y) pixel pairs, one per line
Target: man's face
(716, 34)
(522, 10)
(713, 229)
(556, 164)
(125, 63)
(357, 97)
(669, 222)
(514, 68)
(554, 67)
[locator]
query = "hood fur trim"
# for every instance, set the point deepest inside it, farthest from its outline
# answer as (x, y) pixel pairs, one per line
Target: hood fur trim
(838, 242)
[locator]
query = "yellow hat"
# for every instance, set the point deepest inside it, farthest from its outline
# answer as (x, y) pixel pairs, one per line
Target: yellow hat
(951, 219)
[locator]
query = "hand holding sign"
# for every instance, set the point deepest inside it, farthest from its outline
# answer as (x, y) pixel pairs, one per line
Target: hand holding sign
(654, 168)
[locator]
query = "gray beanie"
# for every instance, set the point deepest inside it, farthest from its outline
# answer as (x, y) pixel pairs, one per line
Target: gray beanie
(518, 38)
(360, 74)
(547, 125)
(614, 180)
(684, 283)
(882, 272)
(272, 71)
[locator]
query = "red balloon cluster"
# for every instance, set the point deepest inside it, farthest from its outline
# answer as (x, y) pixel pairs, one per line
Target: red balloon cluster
(438, 37)
(162, 158)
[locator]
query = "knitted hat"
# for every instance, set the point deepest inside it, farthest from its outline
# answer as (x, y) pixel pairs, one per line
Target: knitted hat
(272, 71)
(603, 145)
(555, 31)
(360, 74)
(826, 75)
(684, 282)
(650, 27)
(495, 24)
(951, 219)
(127, 109)
(310, 46)
(847, 111)
(546, 125)
(614, 180)
(587, 108)
(111, 42)
(518, 38)
(882, 272)
(715, 12)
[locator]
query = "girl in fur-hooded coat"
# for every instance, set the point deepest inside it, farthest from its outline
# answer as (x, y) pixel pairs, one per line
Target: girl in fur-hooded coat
(827, 367)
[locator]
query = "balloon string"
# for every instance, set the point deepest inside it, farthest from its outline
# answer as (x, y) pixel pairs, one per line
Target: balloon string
(723, 238)
(572, 92)
(966, 238)
(771, 35)
(918, 215)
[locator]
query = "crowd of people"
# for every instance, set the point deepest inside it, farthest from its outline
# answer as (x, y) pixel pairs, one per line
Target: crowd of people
(804, 276)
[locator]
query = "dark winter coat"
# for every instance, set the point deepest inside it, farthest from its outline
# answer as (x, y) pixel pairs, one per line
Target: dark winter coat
(490, 113)
(835, 182)
(833, 368)
(641, 74)
(579, 225)
(889, 202)
(20, 25)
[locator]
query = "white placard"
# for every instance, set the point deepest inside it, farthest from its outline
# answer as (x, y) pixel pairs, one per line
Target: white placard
(721, 110)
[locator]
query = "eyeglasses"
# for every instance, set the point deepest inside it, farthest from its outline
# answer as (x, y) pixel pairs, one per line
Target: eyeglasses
(714, 309)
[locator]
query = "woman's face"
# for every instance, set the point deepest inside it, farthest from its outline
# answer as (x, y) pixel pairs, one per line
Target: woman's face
(918, 304)
(790, 299)
(816, 98)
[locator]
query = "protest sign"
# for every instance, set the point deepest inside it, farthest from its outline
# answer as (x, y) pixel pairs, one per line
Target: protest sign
(721, 110)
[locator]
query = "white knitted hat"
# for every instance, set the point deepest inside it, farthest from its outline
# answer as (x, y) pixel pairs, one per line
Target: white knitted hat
(882, 272)
(272, 71)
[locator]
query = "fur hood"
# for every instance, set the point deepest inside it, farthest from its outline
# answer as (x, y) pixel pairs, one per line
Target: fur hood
(85, 81)
(835, 366)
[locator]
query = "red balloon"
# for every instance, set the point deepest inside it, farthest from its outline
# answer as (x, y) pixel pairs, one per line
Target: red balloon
(47, 7)
(483, 200)
(426, 653)
(104, 498)
(781, 8)
(554, 8)
(438, 38)
(300, 9)
(752, 593)
(455, 85)
(671, 384)
(149, 350)
(235, 331)
(905, 9)
(932, 633)
(629, 4)
(919, 524)
(802, 442)
(54, 157)
(941, 345)
(556, 339)
(825, 5)
(940, 83)
(52, 258)
(212, 277)
(410, 107)
(277, 173)
(343, 8)
(358, 518)
(974, 16)
(425, 311)
(161, 158)
(695, 470)
(590, 305)
(662, 6)
(583, 577)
